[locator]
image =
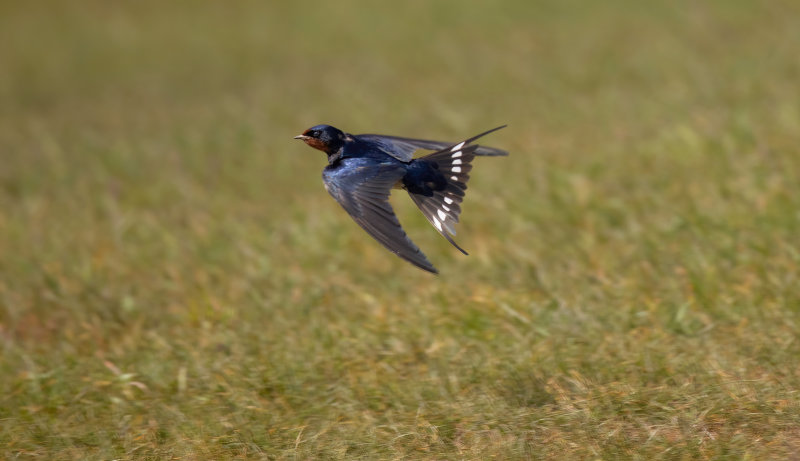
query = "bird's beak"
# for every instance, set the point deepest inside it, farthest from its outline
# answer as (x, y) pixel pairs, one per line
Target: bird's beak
(301, 136)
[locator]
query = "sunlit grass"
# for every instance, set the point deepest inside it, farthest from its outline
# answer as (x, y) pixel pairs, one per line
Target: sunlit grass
(176, 283)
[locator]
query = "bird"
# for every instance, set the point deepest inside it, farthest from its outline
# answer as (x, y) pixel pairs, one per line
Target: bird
(363, 169)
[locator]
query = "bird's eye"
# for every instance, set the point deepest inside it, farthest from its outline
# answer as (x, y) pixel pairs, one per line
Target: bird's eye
(312, 133)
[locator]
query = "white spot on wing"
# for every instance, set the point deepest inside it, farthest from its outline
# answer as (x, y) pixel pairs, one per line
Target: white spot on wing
(454, 178)
(437, 224)
(456, 155)
(448, 200)
(456, 169)
(445, 208)
(457, 161)
(457, 147)
(441, 214)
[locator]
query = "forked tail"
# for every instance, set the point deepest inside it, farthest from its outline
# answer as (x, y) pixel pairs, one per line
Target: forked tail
(441, 204)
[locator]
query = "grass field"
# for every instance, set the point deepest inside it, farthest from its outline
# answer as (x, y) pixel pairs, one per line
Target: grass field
(175, 283)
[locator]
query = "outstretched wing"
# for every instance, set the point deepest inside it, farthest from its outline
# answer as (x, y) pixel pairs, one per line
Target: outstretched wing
(403, 148)
(362, 187)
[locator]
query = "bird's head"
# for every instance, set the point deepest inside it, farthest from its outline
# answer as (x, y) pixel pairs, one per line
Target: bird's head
(323, 137)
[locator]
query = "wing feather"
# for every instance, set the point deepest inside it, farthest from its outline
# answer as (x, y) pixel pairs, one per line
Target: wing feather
(403, 148)
(362, 188)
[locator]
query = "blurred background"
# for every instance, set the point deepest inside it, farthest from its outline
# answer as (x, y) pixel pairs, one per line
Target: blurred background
(176, 282)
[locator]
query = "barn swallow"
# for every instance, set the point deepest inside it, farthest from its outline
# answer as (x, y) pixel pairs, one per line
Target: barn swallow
(362, 169)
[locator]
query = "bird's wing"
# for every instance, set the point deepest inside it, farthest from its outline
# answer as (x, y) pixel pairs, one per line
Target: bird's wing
(403, 148)
(362, 188)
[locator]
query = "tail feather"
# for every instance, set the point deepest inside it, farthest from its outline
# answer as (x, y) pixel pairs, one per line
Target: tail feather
(483, 150)
(443, 207)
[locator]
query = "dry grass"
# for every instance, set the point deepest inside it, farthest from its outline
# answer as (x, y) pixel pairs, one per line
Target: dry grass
(175, 282)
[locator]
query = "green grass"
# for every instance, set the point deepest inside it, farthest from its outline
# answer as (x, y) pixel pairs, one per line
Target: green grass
(175, 283)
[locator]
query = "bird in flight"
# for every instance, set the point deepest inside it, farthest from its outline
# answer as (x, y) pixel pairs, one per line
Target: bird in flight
(362, 169)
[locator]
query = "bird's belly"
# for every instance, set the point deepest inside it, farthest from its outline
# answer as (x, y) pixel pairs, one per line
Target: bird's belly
(423, 178)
